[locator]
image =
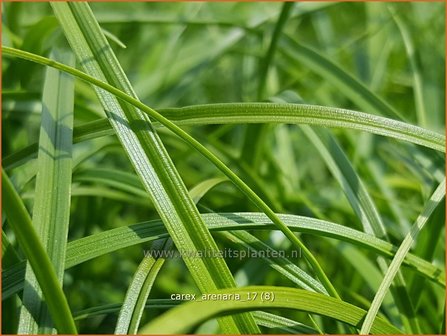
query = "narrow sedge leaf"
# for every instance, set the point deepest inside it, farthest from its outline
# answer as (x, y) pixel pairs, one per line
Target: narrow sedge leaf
(196, 312)
(116, 307)
(87, 248)
(243, 113)
(267, 60)
(138, 292)
(253, 134)
(417, 77)
(239, 113)
(401, 253)
(10, 314)
(124, 181)
(372, 276)
(9, 254)
(284, 324)
(347, 178)
(262, 318)
(139, 289)
(342, 80)
(365, 209)
(426, 247)
(148, 155)
(281, 264)
(310, 258)
(34, 251)
(51, 209)
(203, 187)
(343, 119)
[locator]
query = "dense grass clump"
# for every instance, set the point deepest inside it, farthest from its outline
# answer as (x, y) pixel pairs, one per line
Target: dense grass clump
(236, 168)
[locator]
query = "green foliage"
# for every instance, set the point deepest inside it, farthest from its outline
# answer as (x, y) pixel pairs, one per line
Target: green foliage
(347, 148)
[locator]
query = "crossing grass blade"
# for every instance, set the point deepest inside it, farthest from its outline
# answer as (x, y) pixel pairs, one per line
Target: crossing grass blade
(138, 291)
(283, 265)
(285, 325)
(240, 113)
(196, 312)
(417, 78)
(10, 257)
(148, 155)
(253, 133)
(35, 253)
(51, 209)
(93, 246)
(347, 178)
(142, 282)
(120, 180)
(365, 209)
(310, 258)
(337, 169)
(426, 246)
(342, 80)
(403, 250)
(203, 187)
(262, 318)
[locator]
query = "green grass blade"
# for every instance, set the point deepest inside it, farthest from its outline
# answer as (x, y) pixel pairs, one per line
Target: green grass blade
(193, 313)
(285, 325)
(52, 202)
(253, 133)
(421, 113)
(343, 118)
(87, 248)
(239, 113)
(403, 250)
(281, 264)
(120, 180)
(84, 132)
(82, 250)
(269, 56)
(347, 178)
(371, 274)
(242, 113)
(364, 207)
(262, 318)
(343, 81)
(33, 249)
(10, 316)
(9, 254)
(426, 246)
(138, 292)
(112, 308)
(210, 156)
(203, 187)
(148, 155)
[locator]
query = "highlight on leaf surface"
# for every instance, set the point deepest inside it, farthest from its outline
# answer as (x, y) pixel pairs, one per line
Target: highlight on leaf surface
(223, 168)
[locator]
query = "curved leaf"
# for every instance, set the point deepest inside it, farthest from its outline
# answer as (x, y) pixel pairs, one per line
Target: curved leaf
(186, 316)
(404, 248)
(87, 248)
(310, 258)
(138, 291)
(31, 245)
(148, 154)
